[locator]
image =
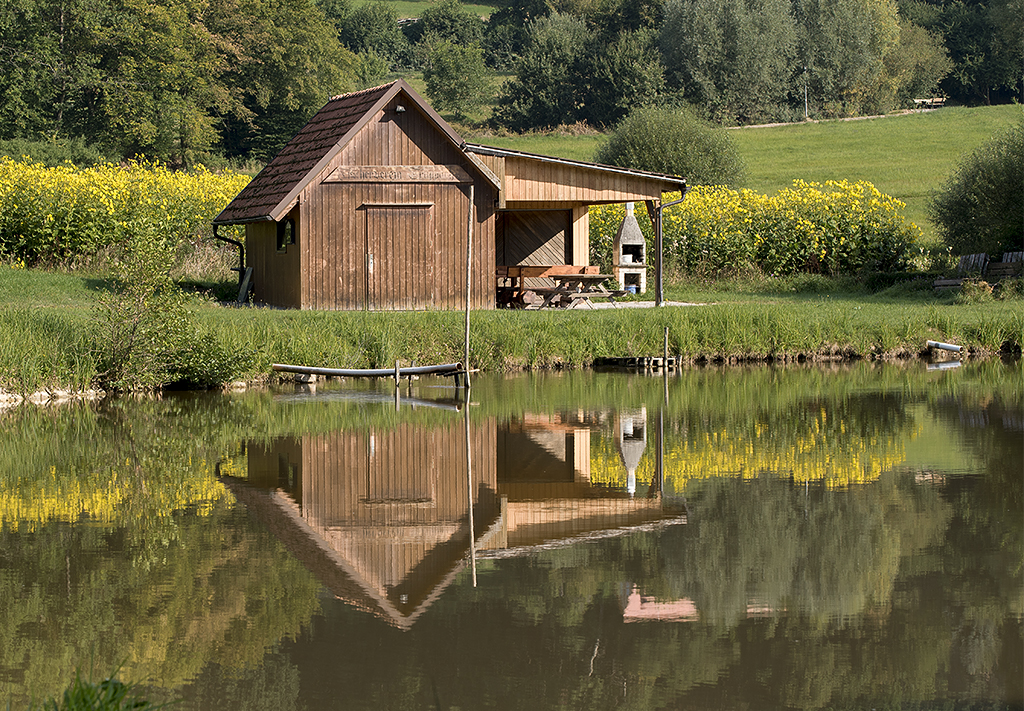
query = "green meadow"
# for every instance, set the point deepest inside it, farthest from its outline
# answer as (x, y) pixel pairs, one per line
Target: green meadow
(907, 156)
(415, 8)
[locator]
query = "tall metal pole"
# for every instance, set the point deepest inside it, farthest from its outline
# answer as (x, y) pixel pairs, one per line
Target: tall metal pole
(469, 274)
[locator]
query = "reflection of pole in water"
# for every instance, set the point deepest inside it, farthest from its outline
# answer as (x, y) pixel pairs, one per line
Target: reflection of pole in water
(469, 475)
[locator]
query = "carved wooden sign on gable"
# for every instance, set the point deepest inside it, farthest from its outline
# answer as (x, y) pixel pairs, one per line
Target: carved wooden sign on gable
(399, 174)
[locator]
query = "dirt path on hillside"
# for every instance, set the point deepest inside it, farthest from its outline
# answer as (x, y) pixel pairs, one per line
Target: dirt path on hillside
(896, 114)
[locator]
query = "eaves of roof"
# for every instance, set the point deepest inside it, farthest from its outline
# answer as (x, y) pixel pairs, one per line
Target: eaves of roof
(674, 181)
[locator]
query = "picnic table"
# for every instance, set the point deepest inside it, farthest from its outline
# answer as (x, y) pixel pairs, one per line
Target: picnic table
(573, 285)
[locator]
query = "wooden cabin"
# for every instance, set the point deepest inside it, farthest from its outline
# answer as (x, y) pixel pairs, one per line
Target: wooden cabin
(375, 203)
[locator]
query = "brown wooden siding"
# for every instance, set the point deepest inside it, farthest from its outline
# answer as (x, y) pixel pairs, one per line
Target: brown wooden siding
(422, 263)
(276, 278)
(533, 237)
(535, 180)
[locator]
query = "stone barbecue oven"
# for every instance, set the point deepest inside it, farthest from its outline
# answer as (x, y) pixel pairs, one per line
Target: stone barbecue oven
(630, 254)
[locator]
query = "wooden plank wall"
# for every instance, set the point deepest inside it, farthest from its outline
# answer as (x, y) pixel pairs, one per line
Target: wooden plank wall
(535, 180)
(334, 215)
(276, 276)
(527, 238)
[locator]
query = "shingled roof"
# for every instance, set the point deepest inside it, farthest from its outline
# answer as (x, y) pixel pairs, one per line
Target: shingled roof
(270, 194)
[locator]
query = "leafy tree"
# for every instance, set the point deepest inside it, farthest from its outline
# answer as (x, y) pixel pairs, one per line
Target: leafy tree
(447, 19)
(980, 208)
(549, 77)
(984, 42)
(914, 69)
(456, 76)
(374, 26)
(371, 69)
(571, 74)
(674, 141)
(627, 74)
(735, 58)
(290, 63)
(507, 34)
(843, 44)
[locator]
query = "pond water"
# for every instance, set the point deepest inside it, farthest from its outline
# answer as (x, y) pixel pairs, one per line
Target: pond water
(794, 538)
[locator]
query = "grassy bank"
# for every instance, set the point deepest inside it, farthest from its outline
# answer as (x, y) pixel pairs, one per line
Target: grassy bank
(49, 343)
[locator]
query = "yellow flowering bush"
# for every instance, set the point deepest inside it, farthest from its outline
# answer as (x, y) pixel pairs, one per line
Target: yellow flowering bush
(56, 214)
(837, 227)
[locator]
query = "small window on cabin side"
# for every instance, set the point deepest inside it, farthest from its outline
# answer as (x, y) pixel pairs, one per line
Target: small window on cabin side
(285, 234)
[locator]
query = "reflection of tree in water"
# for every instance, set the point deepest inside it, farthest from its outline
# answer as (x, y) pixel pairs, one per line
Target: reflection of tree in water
(985, 543)
(772, 545)
(80, 595)
(272, 685)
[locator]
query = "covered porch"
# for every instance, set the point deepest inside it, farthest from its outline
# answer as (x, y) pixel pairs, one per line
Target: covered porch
(542, 227)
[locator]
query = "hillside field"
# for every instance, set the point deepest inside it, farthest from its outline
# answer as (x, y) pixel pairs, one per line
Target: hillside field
(907, 156)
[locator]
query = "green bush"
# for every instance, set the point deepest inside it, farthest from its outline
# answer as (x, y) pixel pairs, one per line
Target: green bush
(676, 142)
(53, 153)
(981, 206)
(107, 695)
(974, 292)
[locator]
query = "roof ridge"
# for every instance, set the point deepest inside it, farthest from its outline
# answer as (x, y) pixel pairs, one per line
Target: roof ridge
(363, 91)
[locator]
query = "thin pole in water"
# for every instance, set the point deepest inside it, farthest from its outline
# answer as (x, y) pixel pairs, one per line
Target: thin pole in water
(469, 272)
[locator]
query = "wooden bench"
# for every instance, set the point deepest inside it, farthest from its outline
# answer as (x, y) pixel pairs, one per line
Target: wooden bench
(934, 102)
(969, 265)
(1003, 270)
(979, 266)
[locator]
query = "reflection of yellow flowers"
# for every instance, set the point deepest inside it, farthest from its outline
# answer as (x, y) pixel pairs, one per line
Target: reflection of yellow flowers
(108, 496)
(818, 452)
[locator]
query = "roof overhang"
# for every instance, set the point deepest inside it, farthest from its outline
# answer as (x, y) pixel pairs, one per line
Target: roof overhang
(671, 182)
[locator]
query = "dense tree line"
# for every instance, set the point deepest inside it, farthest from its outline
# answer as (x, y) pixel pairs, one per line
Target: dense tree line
(177, 79)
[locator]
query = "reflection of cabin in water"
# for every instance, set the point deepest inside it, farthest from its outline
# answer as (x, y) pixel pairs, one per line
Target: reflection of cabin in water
(382, 516)
(544, 479)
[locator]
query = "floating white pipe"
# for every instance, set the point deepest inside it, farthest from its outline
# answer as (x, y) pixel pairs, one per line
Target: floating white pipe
(945, 346)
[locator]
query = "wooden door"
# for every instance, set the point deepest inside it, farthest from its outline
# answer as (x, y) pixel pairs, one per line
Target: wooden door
(400, 257)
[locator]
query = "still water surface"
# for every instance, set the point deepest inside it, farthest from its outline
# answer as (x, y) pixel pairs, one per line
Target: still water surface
(799, 538)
